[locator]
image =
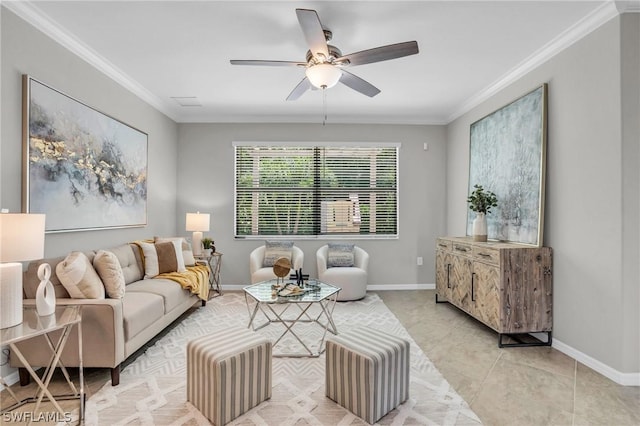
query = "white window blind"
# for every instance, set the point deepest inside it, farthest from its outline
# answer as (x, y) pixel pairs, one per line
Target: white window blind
(316, 190)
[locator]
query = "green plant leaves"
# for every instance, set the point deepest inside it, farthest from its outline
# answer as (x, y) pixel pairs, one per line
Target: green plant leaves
(481, 201)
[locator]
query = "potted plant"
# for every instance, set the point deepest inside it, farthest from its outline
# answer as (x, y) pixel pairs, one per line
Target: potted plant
(207, 244)
(481, 201)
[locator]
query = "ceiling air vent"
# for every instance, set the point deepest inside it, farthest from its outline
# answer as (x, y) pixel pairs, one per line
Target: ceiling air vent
(187, 101)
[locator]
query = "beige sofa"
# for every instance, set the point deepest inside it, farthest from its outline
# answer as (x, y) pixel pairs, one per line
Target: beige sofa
(112, 329)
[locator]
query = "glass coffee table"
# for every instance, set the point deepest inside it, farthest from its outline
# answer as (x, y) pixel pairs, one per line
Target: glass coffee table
(296, 313)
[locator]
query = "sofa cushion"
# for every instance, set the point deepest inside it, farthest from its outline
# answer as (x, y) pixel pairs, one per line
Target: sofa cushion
(340, 255)
(274, 250)
(77, 275)
(130, 261)
(108, 267)
(140, 310)
(172, 293)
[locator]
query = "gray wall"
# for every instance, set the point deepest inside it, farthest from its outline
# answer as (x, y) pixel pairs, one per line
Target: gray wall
(27, 51)
(589, 189)
(205, 183)
(630, 73)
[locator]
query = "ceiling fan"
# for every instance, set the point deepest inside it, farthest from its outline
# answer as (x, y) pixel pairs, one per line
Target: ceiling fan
(325, 64)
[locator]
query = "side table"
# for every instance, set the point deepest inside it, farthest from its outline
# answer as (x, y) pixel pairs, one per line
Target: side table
(214, 262)
(64, 318)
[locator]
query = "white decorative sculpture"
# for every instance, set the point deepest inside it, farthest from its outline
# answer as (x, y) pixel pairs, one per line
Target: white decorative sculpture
(45, 295)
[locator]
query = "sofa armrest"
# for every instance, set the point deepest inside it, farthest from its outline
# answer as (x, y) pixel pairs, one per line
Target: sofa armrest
(102, 336)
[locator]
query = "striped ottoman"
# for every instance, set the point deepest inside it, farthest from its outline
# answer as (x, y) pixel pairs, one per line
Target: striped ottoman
(367, 372)
(228, 373)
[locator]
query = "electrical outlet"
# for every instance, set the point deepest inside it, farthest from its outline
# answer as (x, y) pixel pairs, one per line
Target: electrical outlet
(419, 261)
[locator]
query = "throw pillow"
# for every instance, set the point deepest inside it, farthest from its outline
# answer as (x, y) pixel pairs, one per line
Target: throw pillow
(167, 258)
(274, 250)
(160, 258)
(79, 278)
(183, 251)
(150, 259)
(340, 255)
(108, 267)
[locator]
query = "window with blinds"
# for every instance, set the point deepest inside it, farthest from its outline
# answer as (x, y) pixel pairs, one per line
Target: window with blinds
(316, 190)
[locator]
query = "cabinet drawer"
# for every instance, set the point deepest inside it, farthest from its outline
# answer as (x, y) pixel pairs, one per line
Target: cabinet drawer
(488, 255)
(442, 244)
(462, 248)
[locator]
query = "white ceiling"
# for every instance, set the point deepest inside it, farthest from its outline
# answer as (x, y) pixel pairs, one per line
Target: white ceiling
(165, 49)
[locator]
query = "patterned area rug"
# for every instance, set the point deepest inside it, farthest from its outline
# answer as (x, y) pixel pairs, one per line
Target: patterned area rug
(152, 388)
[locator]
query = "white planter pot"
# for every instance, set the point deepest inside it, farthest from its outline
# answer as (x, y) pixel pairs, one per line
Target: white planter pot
(480, 227)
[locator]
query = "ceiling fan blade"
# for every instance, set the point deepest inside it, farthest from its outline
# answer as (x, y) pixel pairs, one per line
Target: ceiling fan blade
(313, 32)
(358, 84)
(299, 90)
(268, 63)
(382, 53)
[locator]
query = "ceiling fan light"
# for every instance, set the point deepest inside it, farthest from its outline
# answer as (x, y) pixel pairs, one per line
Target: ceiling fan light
(323, 76)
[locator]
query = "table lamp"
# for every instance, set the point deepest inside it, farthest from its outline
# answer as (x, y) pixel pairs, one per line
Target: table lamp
(21, 239)
(198, 223)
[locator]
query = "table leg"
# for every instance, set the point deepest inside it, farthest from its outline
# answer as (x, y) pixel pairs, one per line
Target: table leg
(33, 374)
(81, 373)
(51, 369)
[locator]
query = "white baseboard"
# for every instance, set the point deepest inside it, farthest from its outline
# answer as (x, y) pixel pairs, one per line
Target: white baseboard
(10, 379)
(625, 379)
(386, 287)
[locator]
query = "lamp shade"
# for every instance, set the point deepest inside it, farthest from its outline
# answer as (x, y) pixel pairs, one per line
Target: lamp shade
(21, 237)
(198, 222)
(323, 76)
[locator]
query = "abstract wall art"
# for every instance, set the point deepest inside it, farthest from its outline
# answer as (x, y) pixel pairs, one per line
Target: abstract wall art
(508, 157)
(83, 169)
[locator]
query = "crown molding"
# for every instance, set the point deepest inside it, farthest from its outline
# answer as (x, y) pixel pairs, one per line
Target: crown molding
(41, 21)
(628, 6)
(595, 19)
(38, 19)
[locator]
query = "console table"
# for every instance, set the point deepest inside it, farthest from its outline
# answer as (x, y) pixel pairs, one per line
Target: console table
(507, 286)
(63, 320)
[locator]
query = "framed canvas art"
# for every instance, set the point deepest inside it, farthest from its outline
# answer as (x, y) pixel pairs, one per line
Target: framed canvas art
(508, 157)
(82, 168)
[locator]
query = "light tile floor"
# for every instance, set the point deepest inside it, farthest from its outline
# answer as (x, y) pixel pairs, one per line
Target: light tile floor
(510, 386)
(504, 387)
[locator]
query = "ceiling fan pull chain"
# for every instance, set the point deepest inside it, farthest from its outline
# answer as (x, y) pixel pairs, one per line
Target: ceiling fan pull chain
(324, 106)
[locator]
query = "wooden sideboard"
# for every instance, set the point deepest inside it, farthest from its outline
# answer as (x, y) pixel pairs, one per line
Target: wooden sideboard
(507, 286)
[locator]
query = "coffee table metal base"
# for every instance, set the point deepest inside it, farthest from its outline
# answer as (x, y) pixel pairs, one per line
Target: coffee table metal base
(278, 310)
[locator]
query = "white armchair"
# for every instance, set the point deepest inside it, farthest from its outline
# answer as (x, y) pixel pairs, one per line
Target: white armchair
(261, 273)
(352, 280)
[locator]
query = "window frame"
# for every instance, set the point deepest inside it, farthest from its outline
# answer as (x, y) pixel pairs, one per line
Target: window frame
(293, 144)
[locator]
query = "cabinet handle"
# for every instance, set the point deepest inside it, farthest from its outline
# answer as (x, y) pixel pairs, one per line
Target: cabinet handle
(442, 245)
(473, 296)
(448, 275)
(484, 255)
(461, 248)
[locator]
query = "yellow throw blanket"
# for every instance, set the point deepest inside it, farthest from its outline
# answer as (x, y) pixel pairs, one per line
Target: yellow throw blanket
(195, 279)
